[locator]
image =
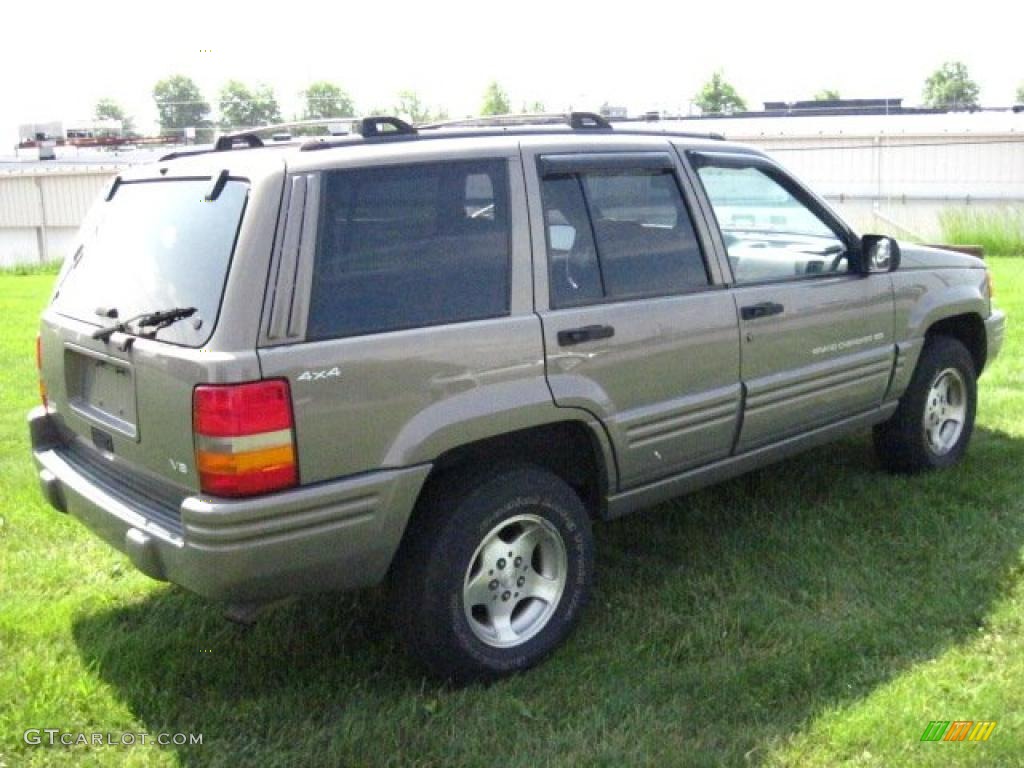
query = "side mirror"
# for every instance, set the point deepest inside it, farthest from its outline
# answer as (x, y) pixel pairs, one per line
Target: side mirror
(878, 253)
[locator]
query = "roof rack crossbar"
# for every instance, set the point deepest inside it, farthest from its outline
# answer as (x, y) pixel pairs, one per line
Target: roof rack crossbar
(227, 142)
(381, 124)
(588, 121)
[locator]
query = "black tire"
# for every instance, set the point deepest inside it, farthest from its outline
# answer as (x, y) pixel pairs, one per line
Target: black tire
(901, 442)
(434, 566)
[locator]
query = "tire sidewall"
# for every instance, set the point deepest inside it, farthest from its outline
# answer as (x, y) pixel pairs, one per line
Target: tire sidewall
(473, 520)
(946, 354)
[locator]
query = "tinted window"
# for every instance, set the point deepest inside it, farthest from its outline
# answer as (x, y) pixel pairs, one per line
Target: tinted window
(409, 246)
(769, 234)
(619, 236)
(572, 259)
(155, 245)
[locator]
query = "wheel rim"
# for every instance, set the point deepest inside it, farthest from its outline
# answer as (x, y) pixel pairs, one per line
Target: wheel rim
(514, 581)
(945, 411)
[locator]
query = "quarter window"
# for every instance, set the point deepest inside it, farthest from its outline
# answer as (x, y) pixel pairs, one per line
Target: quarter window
(616, 236)
(410, 246)
(769, 234)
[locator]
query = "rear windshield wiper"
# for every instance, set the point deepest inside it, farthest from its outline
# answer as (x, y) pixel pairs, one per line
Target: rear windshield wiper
(154, 321)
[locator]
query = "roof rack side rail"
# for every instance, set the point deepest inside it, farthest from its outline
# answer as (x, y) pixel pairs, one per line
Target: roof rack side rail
(327, 122)
(575, 120)
(669, 132)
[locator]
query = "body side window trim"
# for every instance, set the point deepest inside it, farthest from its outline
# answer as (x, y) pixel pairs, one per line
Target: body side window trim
(577, 164)
(803, 195)
(303, 286)
(776, 173)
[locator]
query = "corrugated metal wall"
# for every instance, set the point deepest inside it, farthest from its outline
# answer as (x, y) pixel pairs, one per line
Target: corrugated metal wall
(41, 209)
(965, 169)
(885, 182)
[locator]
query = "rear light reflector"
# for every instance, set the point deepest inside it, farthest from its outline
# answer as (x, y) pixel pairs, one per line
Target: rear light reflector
(245, 438)
(243, 409)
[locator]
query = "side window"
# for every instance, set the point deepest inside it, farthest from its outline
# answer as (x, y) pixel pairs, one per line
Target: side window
(615, 236)
(769, 234)
(410, 246)
(574, 275)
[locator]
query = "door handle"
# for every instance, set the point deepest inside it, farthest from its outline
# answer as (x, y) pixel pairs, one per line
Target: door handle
(586, 333)
(764, 309)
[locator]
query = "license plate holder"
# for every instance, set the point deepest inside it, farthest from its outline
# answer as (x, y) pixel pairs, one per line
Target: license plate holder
(101, 388)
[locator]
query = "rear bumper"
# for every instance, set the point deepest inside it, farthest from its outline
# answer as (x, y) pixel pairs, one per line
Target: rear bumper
(330, 536)
(995, 330)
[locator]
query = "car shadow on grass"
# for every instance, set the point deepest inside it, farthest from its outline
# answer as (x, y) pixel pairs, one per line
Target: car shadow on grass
(720, 624)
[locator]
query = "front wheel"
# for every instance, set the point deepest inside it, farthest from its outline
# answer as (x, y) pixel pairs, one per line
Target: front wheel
(494, 572)
(932, 426)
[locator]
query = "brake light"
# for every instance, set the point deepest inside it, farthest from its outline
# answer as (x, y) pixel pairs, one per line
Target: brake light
(39, 370)
(245, 438)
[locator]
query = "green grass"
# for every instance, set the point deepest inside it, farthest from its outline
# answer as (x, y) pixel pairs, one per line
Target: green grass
(816, 613)
(1000, 232)
(46, 268)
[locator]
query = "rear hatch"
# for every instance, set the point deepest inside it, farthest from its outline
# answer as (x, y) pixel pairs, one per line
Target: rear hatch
(124, 403)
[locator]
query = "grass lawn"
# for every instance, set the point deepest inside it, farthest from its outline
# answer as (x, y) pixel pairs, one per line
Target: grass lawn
(816, 613)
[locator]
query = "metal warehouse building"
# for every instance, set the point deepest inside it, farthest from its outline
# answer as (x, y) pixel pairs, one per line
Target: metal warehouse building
(889, 173)
(893, 173)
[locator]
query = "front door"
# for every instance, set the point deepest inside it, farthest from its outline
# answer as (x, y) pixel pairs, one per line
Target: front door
(816, 337)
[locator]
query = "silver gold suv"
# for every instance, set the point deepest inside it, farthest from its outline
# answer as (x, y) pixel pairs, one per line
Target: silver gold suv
(433, 357)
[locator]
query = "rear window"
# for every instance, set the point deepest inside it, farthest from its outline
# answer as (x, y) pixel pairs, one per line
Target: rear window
(411, 246)
(156, 245)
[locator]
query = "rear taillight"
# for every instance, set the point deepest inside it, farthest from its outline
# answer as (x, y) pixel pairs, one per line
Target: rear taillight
(39, 370)
(245, 438)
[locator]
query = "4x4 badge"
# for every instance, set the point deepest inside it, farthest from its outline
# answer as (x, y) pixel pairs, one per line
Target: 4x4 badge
(325, 373)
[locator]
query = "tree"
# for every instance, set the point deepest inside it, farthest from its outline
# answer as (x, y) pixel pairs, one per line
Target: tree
(1020, 93)
(495, 100)
(411, 106)
(827, 94)
(108, 109)
(324, 99)
(179, 104)
(241, 107)
(533, 107)
(719, 97)
(949, 87)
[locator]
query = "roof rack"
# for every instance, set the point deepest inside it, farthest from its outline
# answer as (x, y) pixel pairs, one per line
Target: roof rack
(389, 128)
(576, 120)
(250, 138)
(364, 126)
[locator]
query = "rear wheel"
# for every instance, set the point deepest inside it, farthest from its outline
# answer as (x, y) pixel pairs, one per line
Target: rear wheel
(933, 424)
(494, 572)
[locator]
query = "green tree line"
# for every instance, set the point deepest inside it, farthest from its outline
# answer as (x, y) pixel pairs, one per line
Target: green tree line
(180, 103)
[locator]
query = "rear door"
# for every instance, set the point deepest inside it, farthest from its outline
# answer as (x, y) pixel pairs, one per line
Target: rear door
(817, 338)
(638, 328)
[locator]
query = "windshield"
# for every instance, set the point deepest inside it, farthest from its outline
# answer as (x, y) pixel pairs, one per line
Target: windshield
(156, 245)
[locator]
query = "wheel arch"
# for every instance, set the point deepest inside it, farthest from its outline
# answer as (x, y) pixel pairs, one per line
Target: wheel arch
(969, 329)
(572, 449)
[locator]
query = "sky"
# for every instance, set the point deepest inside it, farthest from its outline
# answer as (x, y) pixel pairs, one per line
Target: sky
(57, 59)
